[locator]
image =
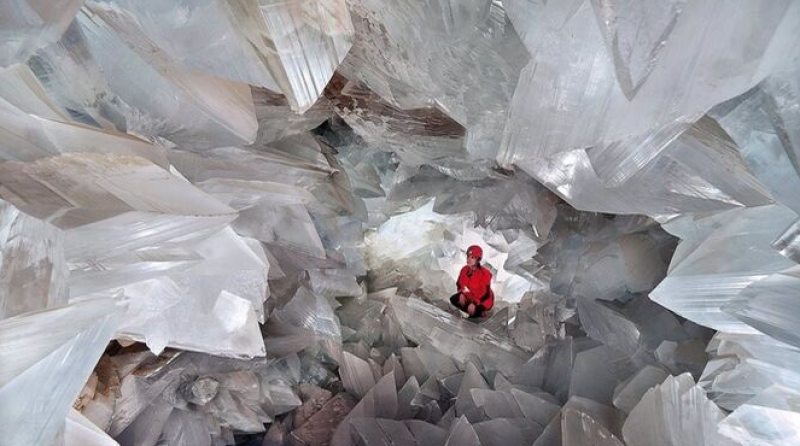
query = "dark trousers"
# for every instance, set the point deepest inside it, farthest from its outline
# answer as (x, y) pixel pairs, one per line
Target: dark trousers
(480, 310)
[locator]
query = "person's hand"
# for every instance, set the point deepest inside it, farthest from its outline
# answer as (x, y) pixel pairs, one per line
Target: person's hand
(465, 289)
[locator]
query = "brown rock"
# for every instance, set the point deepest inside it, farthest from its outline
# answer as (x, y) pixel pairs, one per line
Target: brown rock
(319, 428)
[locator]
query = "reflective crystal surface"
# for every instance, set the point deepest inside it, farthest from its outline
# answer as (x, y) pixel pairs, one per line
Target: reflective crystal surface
(769, 418)
(29, 25)
(674, 412)
(47, 356)
(34, 270)
(243, 222)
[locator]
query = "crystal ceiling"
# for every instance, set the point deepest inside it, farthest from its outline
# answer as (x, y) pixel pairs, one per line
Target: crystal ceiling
(239, 222)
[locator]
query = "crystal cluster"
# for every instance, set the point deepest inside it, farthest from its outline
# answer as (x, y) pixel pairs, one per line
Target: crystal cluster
(239, 222)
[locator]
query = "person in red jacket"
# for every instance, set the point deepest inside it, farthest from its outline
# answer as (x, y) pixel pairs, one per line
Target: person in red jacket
(474, 296)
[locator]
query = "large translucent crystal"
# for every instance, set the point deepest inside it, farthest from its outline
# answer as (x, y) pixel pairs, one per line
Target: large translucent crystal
(132, 191)
(295, 163)
(692, 174)
(151, 93)
(707, 272)
(764, 124)
(417, 136)
(233, 291)
(633, 328)
(767, 306)
(675, 412)
(770, 418)
(201, 36)
(379, 402)
(80, 431)
(111, 206)
(293, 47)
(628, 394)
(427, 53)
(744, 365)
(33, 270)
(661, 101)
(29, 137)
(47, 357)
(424, 323)
(303, 322)
(30, 24)
(583, 422)
(301, 41)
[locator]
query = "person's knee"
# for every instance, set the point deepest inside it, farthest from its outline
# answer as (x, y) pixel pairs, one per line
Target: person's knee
(455, 299)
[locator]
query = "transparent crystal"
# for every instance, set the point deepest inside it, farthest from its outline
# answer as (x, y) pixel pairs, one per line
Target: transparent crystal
(763, 123)
(679, 87)
(675, 412)
(30, 24)
(81, 431)
(48, 355)
(301, 41)
(423, 323)
(29, 137)
(628, 394)
(428, 55)
(161, 98)
(34, 270)
(707, 273)
(770, 418)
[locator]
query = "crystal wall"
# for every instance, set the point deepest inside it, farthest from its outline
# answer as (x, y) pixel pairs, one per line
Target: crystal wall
(239, 222)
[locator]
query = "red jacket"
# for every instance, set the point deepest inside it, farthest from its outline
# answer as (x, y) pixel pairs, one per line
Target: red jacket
(478, 281)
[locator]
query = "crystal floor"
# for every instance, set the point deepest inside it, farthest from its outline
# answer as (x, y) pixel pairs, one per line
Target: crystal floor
(239, 222)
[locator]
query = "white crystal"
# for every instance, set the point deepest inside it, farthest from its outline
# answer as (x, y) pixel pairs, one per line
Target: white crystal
(163, 98)
(30, 24)
(47, 357)
(770, 418)
(707, 272)
(79, 431)
(33, 270)
(675, 412)
(680, 87)
(628, 394)
(426, 324)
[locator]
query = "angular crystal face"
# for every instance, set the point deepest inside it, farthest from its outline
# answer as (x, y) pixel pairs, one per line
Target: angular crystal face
(677, 88)
(33, 269)
(628, 394)
(424, 323)
(635, 34)
(110, 206)
(79, 430)
(267, 205)
(31, 24)
(766, 307)
(30, 137)
(418, 136)
(301, 42)
(764, 124)
(465, 58)
(47, 357)
(201, 36)
(674, 412)
(707, 274)
(770, 418)
(290, 47)
(742, 366)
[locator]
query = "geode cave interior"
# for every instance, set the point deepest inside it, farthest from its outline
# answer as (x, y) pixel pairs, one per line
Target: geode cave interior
(239, 222)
